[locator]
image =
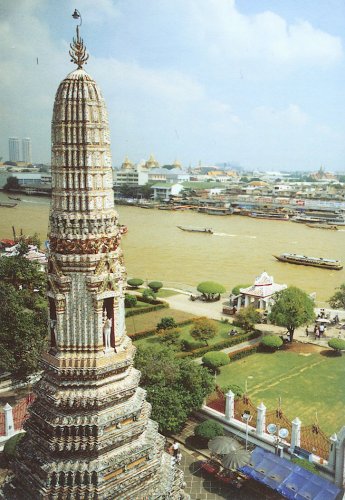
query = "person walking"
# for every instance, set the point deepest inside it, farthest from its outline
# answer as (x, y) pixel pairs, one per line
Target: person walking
(175, 448)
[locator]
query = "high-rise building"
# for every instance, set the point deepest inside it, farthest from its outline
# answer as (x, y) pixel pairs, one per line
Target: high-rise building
(26, 149)
(89, 434)
(13, 149)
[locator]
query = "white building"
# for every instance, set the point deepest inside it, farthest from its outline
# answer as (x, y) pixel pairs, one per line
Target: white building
(13, 149)
(164, 191)
(26, 149)
(259, 295)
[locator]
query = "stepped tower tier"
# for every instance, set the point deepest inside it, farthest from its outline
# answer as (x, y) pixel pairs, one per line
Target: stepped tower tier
(89, 434)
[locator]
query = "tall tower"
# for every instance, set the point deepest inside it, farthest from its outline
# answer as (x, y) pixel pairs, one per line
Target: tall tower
(26, 149)
(13, 149)
(89, 435)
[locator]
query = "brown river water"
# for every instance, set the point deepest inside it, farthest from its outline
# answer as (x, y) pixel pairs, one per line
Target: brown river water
(240, 249)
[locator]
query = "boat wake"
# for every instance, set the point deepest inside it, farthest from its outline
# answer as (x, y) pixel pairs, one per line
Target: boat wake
(234, 235)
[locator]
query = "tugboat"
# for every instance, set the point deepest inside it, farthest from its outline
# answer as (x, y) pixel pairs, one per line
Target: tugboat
(304, 260)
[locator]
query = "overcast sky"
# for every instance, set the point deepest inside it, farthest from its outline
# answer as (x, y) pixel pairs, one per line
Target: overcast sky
(259, 83)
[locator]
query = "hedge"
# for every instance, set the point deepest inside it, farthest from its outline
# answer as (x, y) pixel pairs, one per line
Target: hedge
(242, 353)
(197, 353)
(143, 310)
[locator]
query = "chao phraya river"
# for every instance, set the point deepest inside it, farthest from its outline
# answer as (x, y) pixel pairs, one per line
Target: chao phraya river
(238, 251)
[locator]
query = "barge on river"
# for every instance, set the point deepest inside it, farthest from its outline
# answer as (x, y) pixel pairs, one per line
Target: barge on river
(206, 230)
(304, 260)
(269, 215)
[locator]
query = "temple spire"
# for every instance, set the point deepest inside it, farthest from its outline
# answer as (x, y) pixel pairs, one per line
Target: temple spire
(78, 50)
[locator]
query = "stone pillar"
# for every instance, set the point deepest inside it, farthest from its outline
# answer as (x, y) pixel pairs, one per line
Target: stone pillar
(229, 405)
(246, 301)
(239, 300)
(331, 457)
(9, 425)
(261, 304)
(295, 434)
(261, 419)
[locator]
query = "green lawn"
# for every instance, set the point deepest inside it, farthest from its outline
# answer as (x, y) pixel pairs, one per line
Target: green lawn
(308, 384)
(222, 334)
(166, 293)
(148, 321)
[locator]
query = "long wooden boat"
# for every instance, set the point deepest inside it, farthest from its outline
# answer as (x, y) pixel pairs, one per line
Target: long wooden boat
(206, 230)
(269, 215)
(323, 226)
(14, 198)
(8, 205)
(304, 260)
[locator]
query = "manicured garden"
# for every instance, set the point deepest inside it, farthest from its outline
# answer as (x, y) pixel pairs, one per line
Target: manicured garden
(222, 330)
(309, 383)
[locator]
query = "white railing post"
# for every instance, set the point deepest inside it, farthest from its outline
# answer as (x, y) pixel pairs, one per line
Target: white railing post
(9, 425)
(229, 405)
(331, 457)
(295, 434)
(261, 419)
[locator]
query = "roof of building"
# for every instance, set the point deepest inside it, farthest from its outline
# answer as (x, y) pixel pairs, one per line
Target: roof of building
(264, 286)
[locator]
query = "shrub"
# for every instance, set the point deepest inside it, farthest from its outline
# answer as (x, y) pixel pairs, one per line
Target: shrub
(166, 323)
(209, 429)
(155, 286)
(337, 344)
(236, 389)
(10, 447)
(148, 293)
(271, 342)
(135, 282)
(215, 359)
(130, 300)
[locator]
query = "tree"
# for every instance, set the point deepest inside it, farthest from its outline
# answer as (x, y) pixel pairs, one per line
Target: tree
(210, 290)
(236, 289)
(175, 387)
(337, 344)
(209, 429)
(170, 337)
(23, 316)
(130, 300)
(22, 339)
(271, 342)
(247, 318)
(135, 282)
(155, 286)
(292, 308)
(203, 329)
(166, 323)
(337, 301)
(12, 183)
(215, 359)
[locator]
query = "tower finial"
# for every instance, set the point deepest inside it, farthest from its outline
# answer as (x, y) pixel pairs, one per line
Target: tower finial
(78, 50)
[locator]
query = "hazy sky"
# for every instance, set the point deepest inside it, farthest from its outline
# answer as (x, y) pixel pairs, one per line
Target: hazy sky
(256, 82)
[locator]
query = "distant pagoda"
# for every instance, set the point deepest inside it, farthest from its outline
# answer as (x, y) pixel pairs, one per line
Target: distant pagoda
(89, 434)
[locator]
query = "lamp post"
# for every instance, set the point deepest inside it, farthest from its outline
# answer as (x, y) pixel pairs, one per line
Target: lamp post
(76, 15)
(246, 417)
(280, 434)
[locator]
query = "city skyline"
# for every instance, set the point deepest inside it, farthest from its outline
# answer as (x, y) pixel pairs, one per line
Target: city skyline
(256, 84)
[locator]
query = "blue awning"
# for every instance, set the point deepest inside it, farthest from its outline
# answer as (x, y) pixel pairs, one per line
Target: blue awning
(289, 479)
